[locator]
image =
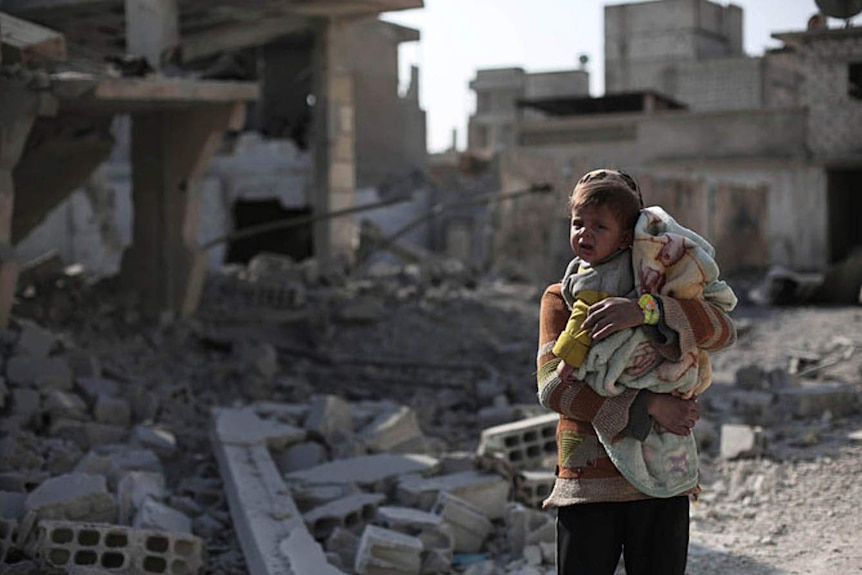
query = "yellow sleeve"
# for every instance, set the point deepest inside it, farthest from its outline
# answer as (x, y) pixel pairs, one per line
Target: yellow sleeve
(573, 343)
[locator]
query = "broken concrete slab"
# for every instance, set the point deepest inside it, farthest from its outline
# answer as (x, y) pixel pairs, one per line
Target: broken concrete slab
(270, 528)
(368, 471)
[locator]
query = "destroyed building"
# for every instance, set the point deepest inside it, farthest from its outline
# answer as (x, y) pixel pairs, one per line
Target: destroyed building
(290, 109)
(760, 155)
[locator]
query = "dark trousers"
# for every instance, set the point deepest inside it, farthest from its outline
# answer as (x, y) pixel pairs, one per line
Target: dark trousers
(651, 534)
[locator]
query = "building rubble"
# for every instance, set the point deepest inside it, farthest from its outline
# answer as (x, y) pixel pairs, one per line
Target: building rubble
(271, 435)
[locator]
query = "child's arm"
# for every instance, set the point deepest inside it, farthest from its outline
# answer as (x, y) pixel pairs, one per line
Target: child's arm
(560, 392)
(574, 342)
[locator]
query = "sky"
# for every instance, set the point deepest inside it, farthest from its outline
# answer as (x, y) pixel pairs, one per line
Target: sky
(459, 37)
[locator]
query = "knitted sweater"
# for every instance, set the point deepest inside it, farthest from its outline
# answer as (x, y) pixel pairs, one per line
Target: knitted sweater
(584, 471)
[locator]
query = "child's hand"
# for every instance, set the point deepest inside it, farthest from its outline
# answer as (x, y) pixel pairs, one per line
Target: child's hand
(675, 414)
(611, 315)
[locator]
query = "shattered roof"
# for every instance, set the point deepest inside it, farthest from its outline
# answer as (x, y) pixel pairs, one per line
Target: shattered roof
(99, 25)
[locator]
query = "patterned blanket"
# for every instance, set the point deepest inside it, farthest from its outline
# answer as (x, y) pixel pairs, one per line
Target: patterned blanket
(668, 259)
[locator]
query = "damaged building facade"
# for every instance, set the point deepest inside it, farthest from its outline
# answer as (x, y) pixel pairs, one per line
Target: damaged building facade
(294, 110)
(761, 155)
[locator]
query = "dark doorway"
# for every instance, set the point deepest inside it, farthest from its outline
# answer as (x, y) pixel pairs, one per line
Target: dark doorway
(293, 240)
(845, 207)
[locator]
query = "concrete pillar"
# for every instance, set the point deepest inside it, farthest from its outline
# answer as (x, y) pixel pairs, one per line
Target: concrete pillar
(152, 29)
(170, 149)
(18, 109)
(333, 143)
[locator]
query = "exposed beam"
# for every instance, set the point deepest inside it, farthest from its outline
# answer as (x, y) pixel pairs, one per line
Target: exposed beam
(25, 41)
(236, 37)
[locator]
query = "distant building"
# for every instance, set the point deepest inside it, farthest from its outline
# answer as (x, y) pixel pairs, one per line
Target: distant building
(763, 156)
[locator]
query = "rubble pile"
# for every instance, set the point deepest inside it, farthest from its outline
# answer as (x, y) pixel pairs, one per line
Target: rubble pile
(310, 420)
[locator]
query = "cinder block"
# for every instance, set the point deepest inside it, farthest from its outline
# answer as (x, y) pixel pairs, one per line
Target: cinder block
(739, 440)
(533, 487)
(470, 527)
(386, 552)
(487, 491)
(525, 444)
(348, 512)
(391, 430)
(118, 549)
(430, 528)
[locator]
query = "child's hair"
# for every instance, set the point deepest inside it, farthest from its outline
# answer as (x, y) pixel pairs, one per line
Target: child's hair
(614, 189)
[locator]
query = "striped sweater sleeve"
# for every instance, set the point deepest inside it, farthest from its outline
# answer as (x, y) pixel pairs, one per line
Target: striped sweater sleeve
(696, 324)
(566, 395)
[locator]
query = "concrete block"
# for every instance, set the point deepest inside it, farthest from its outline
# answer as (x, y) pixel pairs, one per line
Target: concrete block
(133, 488)
(738, 440)
(389, 431)
(64, 404)
(431, 529)
(814, 400)
(525, 444)
(329, 417)
(156, 515)
(372, 472)
(344, 544)
(487, 491)
(300, 456)
(64, 545)
(42, 372)
(348, 512)
(159, 440)
(123, 461)
(533, 487)
(386, 552)
(112, 411)
(469, 525)
(34, 340)
(527, 526)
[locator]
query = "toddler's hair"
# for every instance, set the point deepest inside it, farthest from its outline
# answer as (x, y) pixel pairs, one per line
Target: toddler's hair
(612, 188)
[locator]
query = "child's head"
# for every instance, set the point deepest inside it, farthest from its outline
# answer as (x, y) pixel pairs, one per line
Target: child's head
(605, 205)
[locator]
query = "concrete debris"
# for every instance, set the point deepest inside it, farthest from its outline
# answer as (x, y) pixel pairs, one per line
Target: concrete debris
(302, 423)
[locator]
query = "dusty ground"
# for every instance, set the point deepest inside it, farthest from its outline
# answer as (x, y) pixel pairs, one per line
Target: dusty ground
(453, 348)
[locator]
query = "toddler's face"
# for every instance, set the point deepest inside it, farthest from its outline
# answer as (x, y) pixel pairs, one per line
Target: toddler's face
(595, 233)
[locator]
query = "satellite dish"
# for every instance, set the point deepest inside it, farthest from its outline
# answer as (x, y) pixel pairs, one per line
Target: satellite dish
(843, 9)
